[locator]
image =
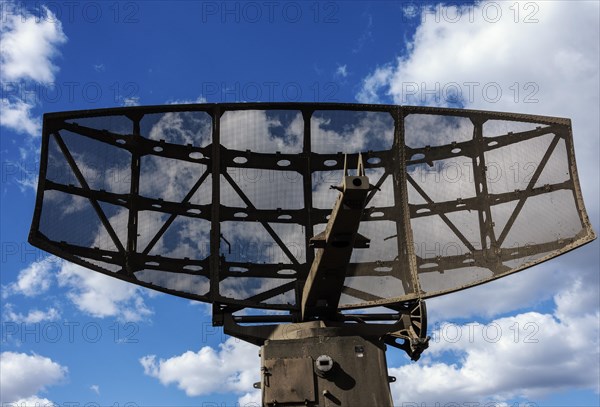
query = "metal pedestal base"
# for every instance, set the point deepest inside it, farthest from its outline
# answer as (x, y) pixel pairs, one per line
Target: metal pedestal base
(324, 371)
(329, 363)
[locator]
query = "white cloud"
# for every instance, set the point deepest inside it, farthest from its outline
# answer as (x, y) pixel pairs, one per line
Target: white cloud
(560, 51)
(252, 399)
(183, 128)
(23, 376)
(102, 296)
(372, 131)
(29, 181)
(33, 401)
(576, 299)
(232, 368)
(16, 115)
(28, 45)
(34, 279)
(549, 67)
(373, 84)
(91, 292)
(95, 388)
(131, 101)
(522, 289)
(33, 317)
(256, 130)
(529, 355)
(342, 71)
(199, 99)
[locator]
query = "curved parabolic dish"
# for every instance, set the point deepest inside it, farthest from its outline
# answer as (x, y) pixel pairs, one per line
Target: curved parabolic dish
(218, 202)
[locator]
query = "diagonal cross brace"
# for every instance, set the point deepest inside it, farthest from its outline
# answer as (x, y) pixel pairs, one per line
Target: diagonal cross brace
(267, 227)
(530, 186)
(105, 222)
(442, 215)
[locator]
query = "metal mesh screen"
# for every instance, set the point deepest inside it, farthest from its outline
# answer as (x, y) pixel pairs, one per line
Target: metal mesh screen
(218, 202)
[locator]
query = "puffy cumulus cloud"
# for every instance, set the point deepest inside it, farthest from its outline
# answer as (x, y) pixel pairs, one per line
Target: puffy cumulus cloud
(529, 355)
(576, 300)
(33, 280)
(376, 83)
(33, 401)
(23, 376)
(232, 368)
(32, 317)
(28, 46)
(542, 61)
(29, 43)
(263, 131)
(102, 296)
(91, 292)
(557, 52)
(488, 300)
(199, 99)
(183, 128)
(16, 115)
(252, 399)
(351, 132)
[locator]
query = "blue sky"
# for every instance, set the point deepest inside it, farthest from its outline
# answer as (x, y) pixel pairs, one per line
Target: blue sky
(71, 336)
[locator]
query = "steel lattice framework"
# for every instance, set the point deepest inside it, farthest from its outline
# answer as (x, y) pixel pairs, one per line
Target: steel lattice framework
(219, 202)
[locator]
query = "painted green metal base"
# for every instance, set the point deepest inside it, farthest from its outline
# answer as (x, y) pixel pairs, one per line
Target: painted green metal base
(324, 370)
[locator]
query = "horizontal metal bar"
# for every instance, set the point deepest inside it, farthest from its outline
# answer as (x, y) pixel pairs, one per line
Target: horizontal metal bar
(467, 148)
(472, 203)
(252, 319)
(306, 106)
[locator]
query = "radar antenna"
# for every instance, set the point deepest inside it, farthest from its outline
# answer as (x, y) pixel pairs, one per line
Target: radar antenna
(316, 231)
